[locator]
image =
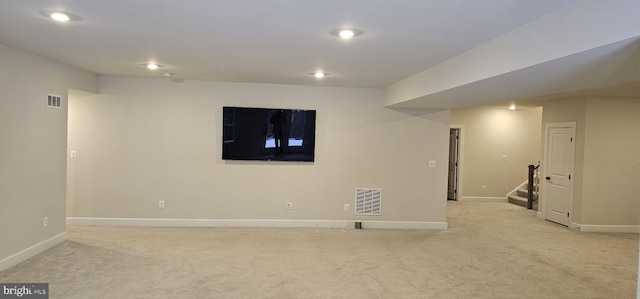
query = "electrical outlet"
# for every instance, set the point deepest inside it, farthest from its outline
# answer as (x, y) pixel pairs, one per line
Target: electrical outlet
(346, 207)
(161, 204)
(73, 154)
(289, 206)
(484, 188)
(45, 221)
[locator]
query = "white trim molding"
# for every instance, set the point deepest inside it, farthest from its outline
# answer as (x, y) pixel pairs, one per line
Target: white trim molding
(167, 222)
(483, 199)
(162, 222)
(575, 225)
(588, 228)
(404, 225)
(32, 251)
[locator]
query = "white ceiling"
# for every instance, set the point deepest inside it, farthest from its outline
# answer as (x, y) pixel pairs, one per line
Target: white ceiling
(266, 41)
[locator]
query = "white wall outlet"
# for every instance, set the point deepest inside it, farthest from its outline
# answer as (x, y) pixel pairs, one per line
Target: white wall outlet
(504, 157)
(346, 207)
(484, 188)
(45, 222)
(73, 154)
(289, 206)
(161, 204)
(432, 163)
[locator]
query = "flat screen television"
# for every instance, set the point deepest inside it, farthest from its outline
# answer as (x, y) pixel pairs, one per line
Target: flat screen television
(268, 134)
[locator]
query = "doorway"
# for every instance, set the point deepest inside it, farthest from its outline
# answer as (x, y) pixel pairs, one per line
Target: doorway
(454, 159)
(558, 169)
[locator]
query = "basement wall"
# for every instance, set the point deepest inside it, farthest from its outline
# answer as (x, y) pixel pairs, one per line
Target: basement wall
(606, 188)
(611, 189)
(33, 151)
(142, 140)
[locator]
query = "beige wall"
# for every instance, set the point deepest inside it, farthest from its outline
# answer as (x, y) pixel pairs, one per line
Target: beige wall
(488, 134)
(144, 140)
(33, 150)
(606, 161)
(611, 189)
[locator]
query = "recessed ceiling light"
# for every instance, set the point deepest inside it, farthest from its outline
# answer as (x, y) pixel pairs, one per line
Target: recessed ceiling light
(319, 74)
(346, 33)
(60, 16)
(167, 74)
(152, 65)
(512, 107)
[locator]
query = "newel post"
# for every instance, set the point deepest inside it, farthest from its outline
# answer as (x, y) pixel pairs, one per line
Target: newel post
(530, 188)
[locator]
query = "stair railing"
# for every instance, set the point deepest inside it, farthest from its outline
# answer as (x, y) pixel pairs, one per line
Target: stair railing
(531, 183)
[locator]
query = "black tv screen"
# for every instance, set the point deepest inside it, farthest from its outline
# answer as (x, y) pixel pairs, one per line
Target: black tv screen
(268, 134)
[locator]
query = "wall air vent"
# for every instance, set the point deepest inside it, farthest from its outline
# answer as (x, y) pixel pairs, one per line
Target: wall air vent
(368, 201)
(53, 101)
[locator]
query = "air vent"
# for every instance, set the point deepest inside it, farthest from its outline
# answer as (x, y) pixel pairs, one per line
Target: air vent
(53, 101)
(368, 201)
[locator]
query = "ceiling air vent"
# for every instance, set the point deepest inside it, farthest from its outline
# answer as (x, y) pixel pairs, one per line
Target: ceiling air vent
(53, 101)
(368, 201)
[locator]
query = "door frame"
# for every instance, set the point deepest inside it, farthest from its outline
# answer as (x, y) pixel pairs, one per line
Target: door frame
(542, 208)
(460, 158)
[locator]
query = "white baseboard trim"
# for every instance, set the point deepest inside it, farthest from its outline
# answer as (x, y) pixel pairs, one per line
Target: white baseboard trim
(404, 225)
(588, 228)
(574, 225)
(162, 222)
(483, 199)
(165, 222)
(32, 251)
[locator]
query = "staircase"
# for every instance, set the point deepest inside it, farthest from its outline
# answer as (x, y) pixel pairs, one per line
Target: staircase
(519, 197)
(520, 194)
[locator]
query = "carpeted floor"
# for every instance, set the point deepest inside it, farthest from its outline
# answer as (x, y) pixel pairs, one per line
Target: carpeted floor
(491, 250)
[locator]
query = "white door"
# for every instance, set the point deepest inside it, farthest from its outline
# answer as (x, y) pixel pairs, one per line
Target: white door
(559, 157)
(453, 164)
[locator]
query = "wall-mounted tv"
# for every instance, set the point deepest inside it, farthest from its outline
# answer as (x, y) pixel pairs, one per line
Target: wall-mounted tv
(268, 134)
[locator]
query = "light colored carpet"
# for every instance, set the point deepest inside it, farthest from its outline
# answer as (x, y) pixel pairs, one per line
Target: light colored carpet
(491, 250)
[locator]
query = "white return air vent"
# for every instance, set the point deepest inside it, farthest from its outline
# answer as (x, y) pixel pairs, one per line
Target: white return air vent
(53, 101)
(368, 201)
